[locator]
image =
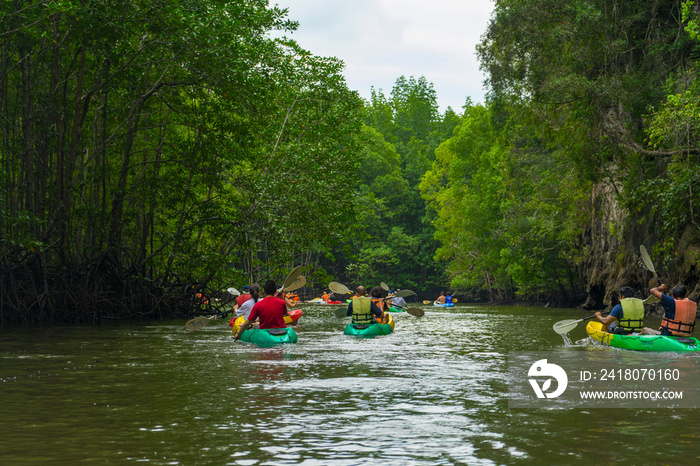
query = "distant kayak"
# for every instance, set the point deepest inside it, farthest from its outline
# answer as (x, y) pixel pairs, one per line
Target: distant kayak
(444, 305)
(395, 309)
(371, 330)
(642, 342)
(321, 301)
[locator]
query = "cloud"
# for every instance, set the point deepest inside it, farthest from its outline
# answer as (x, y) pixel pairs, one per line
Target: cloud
(380, 40)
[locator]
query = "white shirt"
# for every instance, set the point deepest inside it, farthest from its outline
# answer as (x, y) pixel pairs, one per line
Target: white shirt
(245, 308)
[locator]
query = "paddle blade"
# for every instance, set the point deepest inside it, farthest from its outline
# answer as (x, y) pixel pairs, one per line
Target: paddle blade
(298, 283)
(291, 278)
(384, 286)
(415, 311)
(341, 312)
(339, 288)
(647, 262)
(426, 302)
(651, 299)
(197, 323)
(234, 291)
(565, 326)
(646, 259)
(404, 293)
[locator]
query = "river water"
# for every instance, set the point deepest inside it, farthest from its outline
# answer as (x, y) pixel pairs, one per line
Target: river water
(433, 392)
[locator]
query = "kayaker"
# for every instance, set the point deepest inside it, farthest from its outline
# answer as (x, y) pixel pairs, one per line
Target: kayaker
(288, 300)
(246, 307)
(626, 317)
(679, 312)
(376, 295)
(242, 298)
(441, 299)
(270, 311)
(398, 301)
(362, 309)
(448, 298)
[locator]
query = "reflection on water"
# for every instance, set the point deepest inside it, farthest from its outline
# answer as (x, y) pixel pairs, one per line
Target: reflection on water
(433, 392)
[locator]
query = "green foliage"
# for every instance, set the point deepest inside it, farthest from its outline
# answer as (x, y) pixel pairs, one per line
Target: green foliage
(585, 94)
(176, 138)
(392, 238)
(507, 208)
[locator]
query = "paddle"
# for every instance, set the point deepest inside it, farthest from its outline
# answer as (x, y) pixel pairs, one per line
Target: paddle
(202, 321)
(339, 288)
(647, 262)
(652, 299)
(414, 311)
(291, 278)
(384, 286)
(404, 294)
(426, 302)
(565, 326)
(298, 283)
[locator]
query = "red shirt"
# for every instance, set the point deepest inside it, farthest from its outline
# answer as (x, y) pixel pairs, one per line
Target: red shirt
(270, 311)
(242, 298)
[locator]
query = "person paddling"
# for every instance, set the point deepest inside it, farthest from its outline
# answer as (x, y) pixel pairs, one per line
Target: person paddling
(400, 302)
(247, 306)
(362, 309)
(629, 314)
(376, 295)
(441, 299)
(242, 298)
(270, 311)
(679, 312)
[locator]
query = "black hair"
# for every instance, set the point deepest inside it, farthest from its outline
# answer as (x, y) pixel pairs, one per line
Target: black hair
(627, 292)
(255, 291)
(376, 292)
(270, 287)
(679, 292)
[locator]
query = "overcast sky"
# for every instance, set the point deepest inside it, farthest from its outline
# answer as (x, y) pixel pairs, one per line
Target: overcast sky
(380, 40)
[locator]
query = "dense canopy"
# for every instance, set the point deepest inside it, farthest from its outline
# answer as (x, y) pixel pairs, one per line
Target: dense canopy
(153, 150)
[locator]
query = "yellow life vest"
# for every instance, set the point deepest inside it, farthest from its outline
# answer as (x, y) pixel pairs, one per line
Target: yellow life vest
(362, 310)
(633, 314)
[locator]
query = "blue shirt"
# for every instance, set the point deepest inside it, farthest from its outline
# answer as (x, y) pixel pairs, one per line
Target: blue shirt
(669, 305)
(617, 312)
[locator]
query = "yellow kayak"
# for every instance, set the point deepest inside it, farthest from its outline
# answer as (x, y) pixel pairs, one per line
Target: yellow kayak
(290, 319)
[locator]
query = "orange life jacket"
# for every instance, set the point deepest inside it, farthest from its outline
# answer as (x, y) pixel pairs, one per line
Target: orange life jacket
(684, 322)
(379, 302)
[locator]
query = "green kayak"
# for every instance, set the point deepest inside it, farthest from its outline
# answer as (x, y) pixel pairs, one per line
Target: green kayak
(270, 337)
(642, 342)
(371, 330)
